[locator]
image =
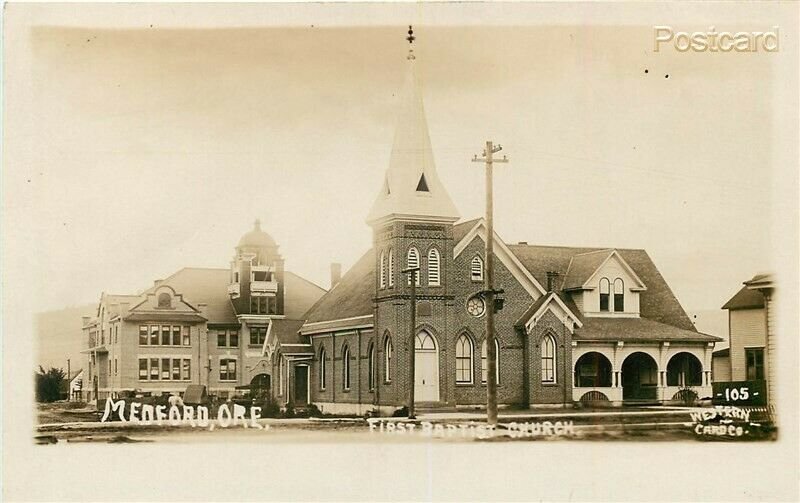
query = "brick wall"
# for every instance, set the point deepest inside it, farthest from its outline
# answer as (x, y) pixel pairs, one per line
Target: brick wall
(561, 391)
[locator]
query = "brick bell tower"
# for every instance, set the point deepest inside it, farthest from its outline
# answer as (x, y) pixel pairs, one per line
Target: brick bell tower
(412, 220)
(256, 286)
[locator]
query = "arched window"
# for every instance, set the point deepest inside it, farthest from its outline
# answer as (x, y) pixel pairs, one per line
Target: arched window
(412, 261)
(463, 359)
(322, 373)
(371, 367)
(619, 295)
(391, 267)
(434, 268)
(383, 270)
(485, 361)
(548, 359)
(476, 268)
(387, 360)
(164, 300)
(346, 367)
(424, 341)
(605, 288)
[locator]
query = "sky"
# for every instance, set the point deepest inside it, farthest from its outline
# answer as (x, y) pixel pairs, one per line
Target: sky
(157, 148)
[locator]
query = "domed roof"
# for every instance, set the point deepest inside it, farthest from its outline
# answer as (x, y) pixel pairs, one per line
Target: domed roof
(256, 238)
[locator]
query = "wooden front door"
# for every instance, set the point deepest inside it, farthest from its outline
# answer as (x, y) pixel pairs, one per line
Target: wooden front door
(426, 368)
(301, 385)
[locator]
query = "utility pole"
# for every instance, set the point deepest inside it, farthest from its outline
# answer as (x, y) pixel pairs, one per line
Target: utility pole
(489, 292)
(69, 388)
(412, 275)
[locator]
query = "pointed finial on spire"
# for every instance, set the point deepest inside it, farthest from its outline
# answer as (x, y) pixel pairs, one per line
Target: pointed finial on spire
(257, 224)
(410, 39)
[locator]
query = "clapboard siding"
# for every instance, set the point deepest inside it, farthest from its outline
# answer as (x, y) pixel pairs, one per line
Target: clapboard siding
(748, 327)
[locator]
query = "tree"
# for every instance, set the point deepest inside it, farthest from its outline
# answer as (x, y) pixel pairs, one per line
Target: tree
(48, 384)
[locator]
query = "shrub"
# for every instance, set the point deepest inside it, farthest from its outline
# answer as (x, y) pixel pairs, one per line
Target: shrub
(401, 412)
(48, 384)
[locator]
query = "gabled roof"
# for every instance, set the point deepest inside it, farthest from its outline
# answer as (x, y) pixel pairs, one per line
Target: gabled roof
(502, 253)
(746, 298)
(538, 307)
(462, 228)
(351, 297)
(203, 286)
(636, 329)
(658, 303)
(287, 331)
(583, 266)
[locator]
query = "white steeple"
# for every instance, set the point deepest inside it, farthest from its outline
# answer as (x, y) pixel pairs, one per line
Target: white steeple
(411, 187)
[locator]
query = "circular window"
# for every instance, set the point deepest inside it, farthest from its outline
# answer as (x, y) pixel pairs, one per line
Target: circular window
(476, 306)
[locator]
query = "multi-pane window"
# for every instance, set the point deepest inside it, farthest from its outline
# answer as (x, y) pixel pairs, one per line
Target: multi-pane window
(166, 332)
(346, 367)
(434, 268)
(485, 361)
(227, 338)
(605, 290)
(163, 369)
(258, 335)
(388, 351)
(619, 295)
(116, 366)
(262, 305)
(391, 267)
(548, 360)
(383, 270)
(412, 262)
(463, 360)
(754, 357)
(227, 369)
(155, 374)
(322, 377)
(476, 268)
(164, 335)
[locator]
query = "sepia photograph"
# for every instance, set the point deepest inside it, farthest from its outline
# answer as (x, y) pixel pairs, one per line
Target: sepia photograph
(417, 239)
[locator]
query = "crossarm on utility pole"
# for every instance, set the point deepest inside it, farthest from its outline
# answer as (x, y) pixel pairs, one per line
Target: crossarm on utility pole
(489, 291)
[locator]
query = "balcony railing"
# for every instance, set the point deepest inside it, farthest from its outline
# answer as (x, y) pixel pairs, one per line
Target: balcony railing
(233, 289)
(264, 287)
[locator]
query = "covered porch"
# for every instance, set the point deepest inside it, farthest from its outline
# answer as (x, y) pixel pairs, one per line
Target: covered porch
(620, 372)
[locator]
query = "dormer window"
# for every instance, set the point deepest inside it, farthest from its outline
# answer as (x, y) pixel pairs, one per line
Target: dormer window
(619, 295)
(605, 291)
(164, 301)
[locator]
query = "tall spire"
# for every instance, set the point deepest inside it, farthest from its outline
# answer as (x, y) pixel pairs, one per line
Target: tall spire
(411, 187)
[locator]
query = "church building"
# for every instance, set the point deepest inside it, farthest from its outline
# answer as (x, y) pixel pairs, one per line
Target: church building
(578, 324)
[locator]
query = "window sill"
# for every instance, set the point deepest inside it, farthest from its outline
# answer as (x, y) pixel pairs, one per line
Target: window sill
(464, 384)
(549, 384)
(346, 390)
(163, 345)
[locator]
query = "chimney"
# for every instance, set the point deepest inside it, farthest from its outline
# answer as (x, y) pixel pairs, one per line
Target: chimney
(552, 276)
(202, 306)
(85, 320)
(336, 273)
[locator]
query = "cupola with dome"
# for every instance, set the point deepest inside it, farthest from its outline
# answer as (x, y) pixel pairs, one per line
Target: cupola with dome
(256, 286)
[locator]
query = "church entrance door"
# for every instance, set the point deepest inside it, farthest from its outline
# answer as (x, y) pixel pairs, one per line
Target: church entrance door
(426, 368)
